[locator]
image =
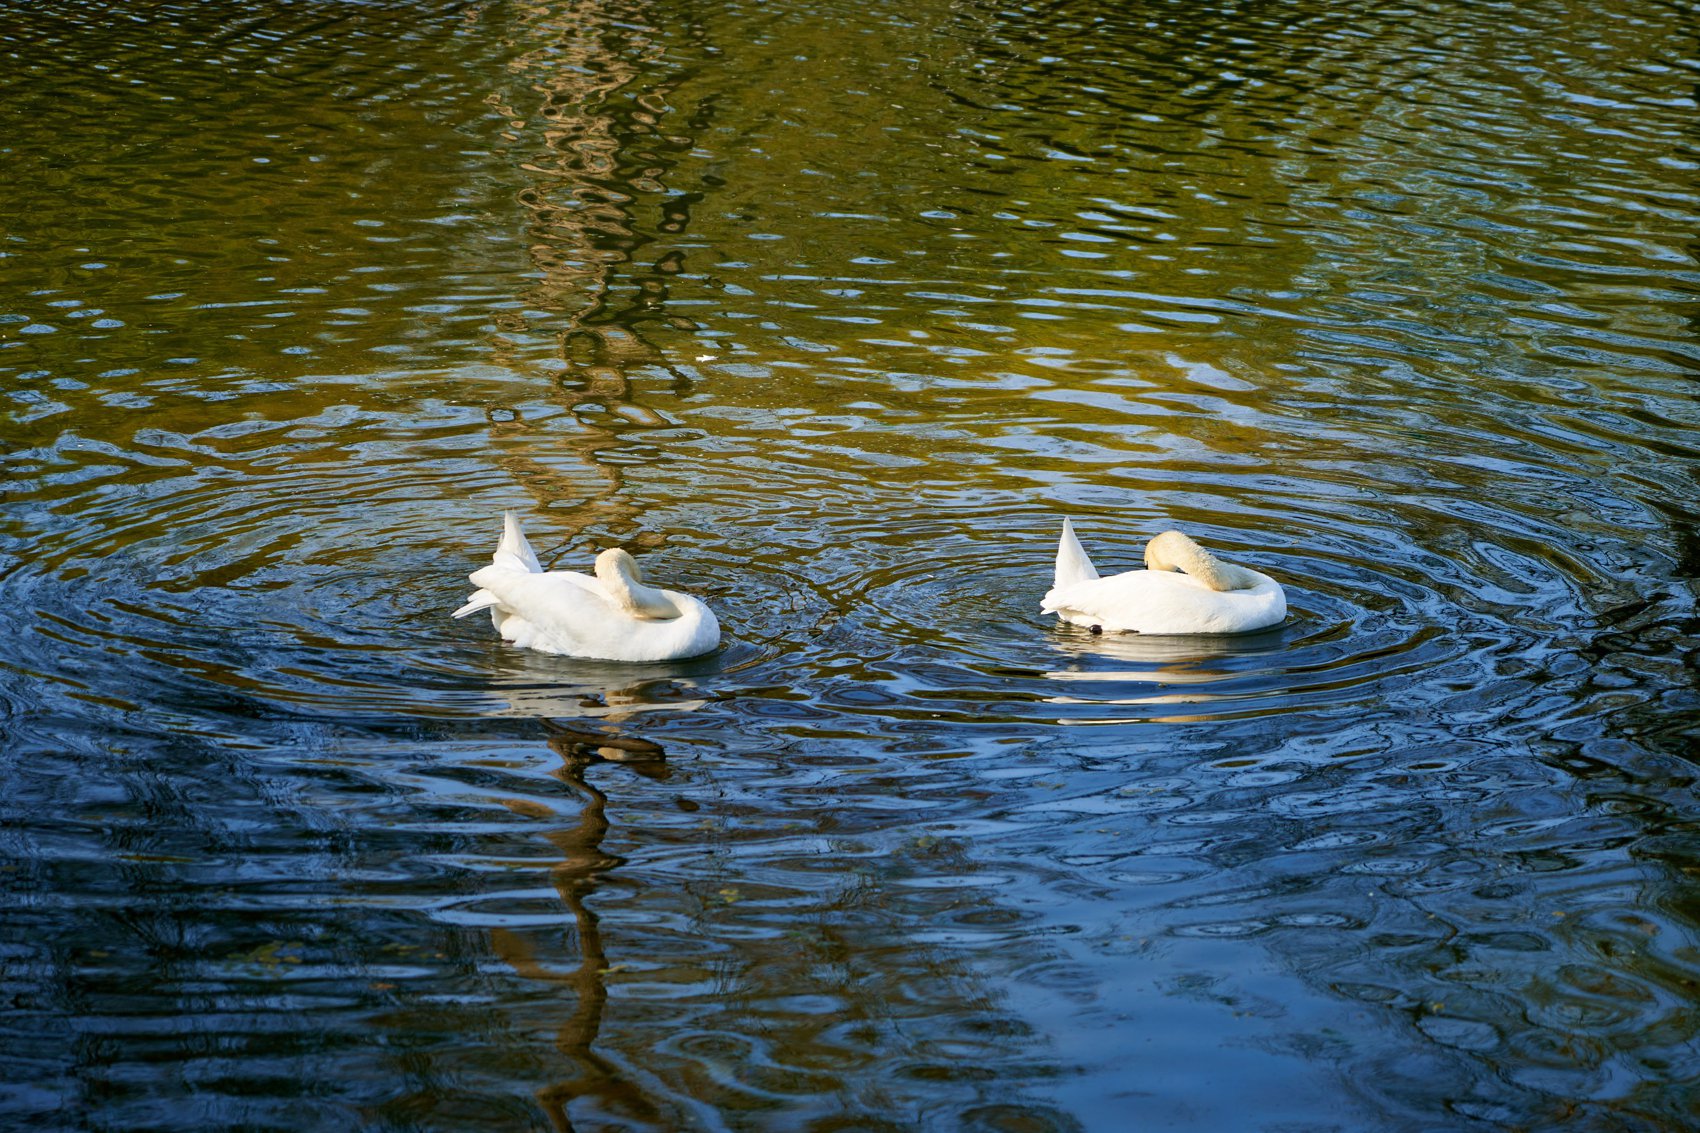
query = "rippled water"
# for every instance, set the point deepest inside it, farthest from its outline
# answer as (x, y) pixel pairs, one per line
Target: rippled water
(830, 313)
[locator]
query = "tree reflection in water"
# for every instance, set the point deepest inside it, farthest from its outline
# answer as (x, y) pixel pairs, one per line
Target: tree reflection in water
(582, 230)
(583, 861)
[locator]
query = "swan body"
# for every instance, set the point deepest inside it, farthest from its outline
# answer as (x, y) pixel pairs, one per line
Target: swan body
(611, 616)
(1184, 589)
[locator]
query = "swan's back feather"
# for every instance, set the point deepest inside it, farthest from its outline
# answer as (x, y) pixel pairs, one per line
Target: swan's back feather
(1072, 564)
(1166, 602)
(513, 550)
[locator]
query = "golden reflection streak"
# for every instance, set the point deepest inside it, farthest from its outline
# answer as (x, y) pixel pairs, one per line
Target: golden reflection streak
(575, 878)
(581, 231)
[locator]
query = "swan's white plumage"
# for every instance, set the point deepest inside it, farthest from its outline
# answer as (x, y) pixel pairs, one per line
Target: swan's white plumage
(1209, 597)
(609, 617)
(1072, 564)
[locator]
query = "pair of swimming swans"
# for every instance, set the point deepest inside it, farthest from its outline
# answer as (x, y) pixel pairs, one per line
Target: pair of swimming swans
(614, 616)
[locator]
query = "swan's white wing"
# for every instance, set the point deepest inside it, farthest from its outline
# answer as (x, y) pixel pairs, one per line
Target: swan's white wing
(1166, 602)
(1120, 593)
(558, 612)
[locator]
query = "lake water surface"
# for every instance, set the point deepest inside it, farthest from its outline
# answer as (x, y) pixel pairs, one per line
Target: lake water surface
(830, 312)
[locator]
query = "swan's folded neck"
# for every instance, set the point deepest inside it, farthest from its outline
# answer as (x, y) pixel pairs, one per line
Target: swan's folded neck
(618, 572)
(1173, 551)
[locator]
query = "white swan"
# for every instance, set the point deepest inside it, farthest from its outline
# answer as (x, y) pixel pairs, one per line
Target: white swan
(1210, 597)
(612, 617)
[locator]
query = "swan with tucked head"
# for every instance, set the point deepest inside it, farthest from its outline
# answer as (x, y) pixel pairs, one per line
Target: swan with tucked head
(1183, 589)
(610, 617)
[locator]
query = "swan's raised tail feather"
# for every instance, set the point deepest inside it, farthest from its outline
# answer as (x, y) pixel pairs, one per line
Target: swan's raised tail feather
(1072, 564)
(513, 551)
(480, 600)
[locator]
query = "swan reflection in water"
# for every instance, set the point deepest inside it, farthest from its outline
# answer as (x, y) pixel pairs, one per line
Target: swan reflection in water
(538, 686)
(1155, 664)
(594, 733)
